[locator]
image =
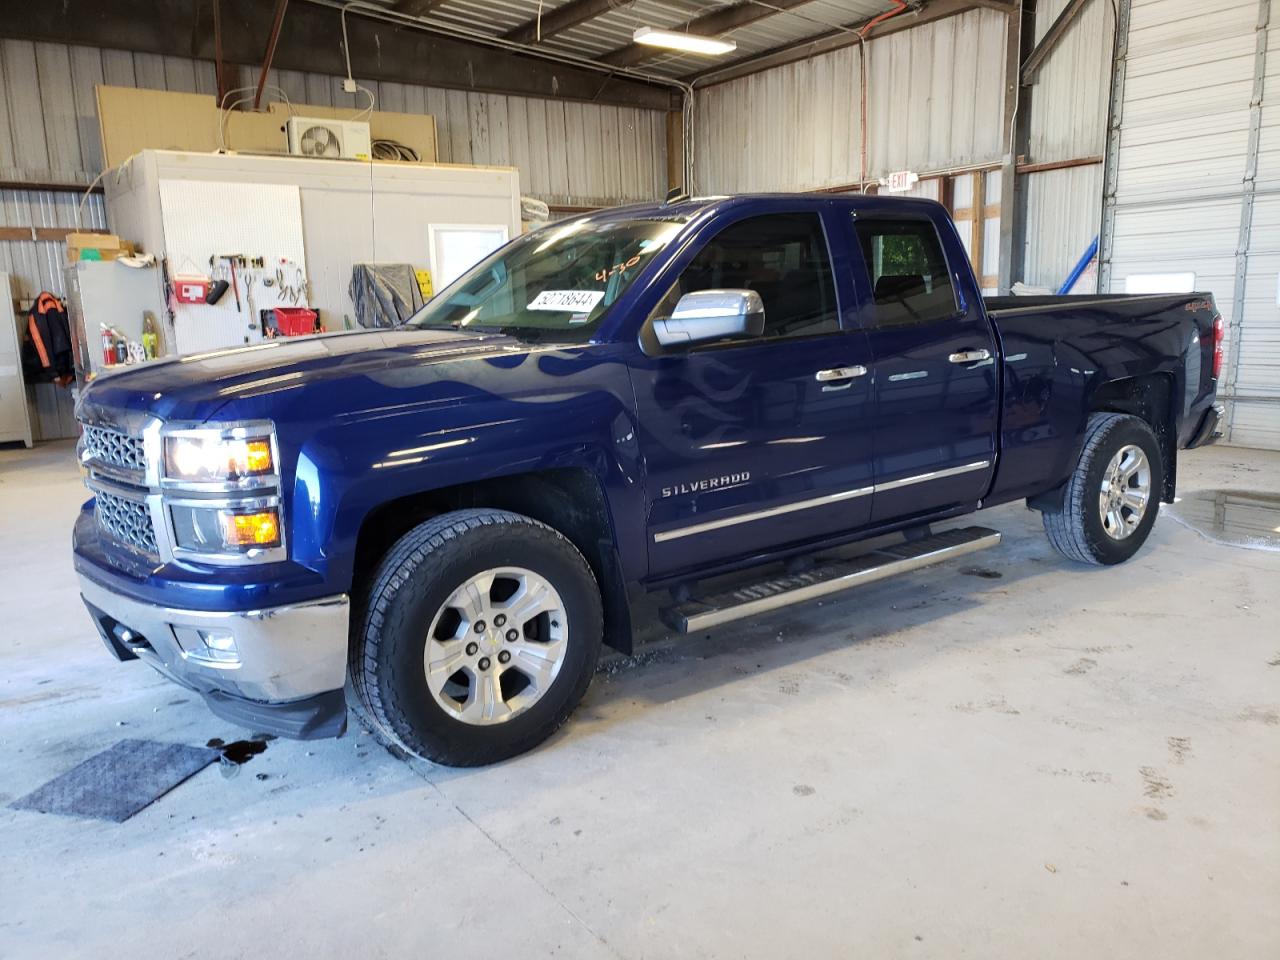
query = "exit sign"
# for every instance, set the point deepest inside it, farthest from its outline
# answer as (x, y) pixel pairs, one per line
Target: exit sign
(900, 181)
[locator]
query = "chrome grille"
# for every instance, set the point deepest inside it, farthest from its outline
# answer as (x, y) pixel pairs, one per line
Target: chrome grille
(113, 448)
(127, 520)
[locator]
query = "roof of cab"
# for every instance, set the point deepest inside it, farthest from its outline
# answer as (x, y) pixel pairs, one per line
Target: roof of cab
(692, 206)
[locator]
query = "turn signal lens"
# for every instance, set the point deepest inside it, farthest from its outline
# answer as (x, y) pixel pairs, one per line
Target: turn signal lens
(257, 456)
(243, 530)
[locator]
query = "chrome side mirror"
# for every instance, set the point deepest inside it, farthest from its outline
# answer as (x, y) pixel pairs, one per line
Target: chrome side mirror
(712, 315)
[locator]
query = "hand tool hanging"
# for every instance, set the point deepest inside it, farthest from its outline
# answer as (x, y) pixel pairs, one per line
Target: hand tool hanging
(232, 259)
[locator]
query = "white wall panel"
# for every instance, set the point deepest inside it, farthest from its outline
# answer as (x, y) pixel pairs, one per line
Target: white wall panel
(1181, 189)
(935, 100)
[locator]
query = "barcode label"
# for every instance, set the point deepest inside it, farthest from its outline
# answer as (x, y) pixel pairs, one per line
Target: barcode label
(567, 301)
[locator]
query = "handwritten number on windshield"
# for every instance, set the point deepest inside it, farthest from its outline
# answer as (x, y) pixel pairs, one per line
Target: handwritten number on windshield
(604, 275)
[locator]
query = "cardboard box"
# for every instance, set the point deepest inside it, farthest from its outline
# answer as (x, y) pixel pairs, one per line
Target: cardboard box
(132, 120)
(107, 246)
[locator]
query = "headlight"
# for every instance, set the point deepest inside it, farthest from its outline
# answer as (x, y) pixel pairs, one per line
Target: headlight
(219, 455)
(220, 489)
(221, 530)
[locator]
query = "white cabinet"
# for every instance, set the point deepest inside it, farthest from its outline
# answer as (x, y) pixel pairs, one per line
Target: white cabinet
(320, 216)
(15, 419)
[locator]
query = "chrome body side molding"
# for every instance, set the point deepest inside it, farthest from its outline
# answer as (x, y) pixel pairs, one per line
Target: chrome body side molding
(666, 535)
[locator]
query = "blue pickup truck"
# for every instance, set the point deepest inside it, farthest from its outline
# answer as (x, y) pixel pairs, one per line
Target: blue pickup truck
(440, 524)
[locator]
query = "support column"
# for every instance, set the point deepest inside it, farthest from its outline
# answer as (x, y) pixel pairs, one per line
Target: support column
(1111, 161)
(1019, 41)
(1232, 372)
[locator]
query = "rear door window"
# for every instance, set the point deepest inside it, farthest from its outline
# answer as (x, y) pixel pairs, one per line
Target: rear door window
(910, 282)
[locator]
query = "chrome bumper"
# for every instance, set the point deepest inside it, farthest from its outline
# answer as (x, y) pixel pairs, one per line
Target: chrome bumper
(280, 653)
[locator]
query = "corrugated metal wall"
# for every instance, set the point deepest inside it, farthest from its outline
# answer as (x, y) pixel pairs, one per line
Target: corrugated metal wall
(567, 153)
(1068, 121)
(1069, 98)
(1182, 182)
(37, 265)
(1063, 208)
(935, 102)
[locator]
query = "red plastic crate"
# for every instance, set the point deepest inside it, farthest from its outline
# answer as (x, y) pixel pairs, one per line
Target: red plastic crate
(296, 321)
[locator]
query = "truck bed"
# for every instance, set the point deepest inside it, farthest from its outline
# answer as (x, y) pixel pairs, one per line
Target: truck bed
(1060, 351)
(998, 305)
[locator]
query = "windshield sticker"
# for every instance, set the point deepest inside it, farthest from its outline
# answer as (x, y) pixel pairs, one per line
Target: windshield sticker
(567, 301)
(580, 318)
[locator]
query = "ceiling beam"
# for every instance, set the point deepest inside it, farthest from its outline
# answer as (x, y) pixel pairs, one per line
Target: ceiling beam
(1057, 30)
(836, 40)
(272, 42)
(416, 8)
(708, 25)
(562, 18)
(313, 42)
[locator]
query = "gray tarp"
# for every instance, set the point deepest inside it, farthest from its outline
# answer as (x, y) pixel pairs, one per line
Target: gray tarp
(384, 294)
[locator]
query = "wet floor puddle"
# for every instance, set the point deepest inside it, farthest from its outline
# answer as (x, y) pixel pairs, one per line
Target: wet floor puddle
(1236, 518)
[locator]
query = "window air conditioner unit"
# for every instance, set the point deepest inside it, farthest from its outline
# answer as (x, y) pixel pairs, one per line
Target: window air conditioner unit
(328, 139)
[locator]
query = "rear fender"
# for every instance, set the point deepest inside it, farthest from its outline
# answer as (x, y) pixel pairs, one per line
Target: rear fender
(1150, 398)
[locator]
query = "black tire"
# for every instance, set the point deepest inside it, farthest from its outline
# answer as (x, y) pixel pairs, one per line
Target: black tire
(1075, 528)
(413, 582)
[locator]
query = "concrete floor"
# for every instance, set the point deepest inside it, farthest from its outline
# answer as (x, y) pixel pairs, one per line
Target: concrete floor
(1008, 757)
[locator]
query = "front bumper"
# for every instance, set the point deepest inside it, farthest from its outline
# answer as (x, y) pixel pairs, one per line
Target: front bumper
(1208, 430)
(285, 675)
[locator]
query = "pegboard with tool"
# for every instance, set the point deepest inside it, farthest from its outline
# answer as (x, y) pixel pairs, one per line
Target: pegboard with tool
(252, 260)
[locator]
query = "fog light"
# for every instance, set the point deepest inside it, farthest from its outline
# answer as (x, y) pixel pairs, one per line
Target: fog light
(218, 640)
(215, 646)
(260, 529)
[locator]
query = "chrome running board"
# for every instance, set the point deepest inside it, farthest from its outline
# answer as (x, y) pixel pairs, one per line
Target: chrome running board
(827, 577)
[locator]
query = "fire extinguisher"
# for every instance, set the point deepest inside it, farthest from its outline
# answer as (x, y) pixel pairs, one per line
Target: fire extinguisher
(108, 346)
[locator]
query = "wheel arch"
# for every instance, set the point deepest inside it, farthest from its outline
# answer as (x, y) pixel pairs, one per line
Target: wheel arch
(1150, 398)
(570, 500)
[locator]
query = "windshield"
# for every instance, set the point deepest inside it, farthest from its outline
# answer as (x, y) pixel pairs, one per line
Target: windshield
(555, 284)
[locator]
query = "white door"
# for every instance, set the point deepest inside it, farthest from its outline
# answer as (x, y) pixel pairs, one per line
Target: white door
(1181, 179)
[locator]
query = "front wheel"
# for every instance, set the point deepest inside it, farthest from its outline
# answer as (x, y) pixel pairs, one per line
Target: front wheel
(480, 636)
(1113, 495)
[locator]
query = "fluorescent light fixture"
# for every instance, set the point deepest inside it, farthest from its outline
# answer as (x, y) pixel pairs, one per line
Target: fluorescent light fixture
(688, 42)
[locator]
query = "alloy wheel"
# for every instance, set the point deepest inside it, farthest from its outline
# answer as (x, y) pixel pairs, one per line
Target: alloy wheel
(1125, 493)
(496, 645)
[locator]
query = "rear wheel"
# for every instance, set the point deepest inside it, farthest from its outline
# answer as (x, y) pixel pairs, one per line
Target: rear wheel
(1113, 495)
(480, 636)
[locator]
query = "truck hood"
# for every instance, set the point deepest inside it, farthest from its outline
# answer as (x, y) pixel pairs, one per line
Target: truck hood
(194, 387)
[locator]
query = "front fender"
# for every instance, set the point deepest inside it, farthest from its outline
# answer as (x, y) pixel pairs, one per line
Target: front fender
(555, 413)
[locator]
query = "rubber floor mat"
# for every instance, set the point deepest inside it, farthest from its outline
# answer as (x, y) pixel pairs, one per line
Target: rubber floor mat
(118, 782)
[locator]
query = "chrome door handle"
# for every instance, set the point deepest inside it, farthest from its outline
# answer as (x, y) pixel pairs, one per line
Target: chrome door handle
(840, 373)
(969, 356)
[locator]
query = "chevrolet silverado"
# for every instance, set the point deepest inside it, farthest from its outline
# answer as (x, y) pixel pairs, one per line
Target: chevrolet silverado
(441, 523)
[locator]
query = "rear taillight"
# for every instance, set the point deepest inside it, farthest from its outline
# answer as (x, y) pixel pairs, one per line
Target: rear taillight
(1218, 333)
